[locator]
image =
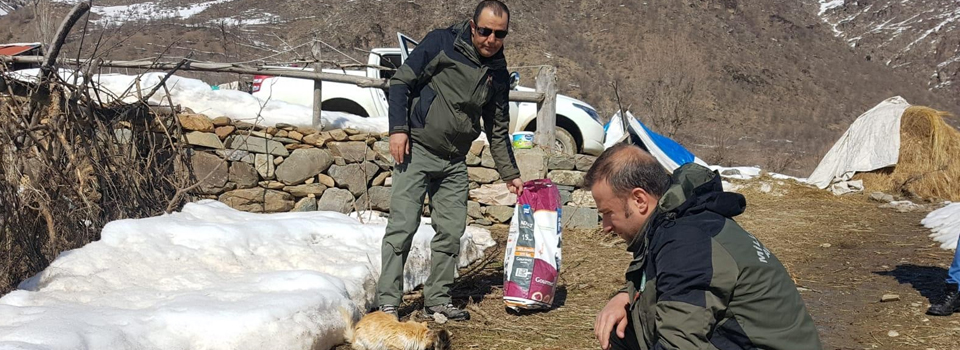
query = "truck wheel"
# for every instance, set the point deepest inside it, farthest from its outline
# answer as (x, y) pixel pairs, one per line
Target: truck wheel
(344, 105)
(563, 142)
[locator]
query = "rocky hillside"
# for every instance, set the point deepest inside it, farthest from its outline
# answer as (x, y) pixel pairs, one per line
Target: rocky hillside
(918, 37)
(738, 82)
(7, 6)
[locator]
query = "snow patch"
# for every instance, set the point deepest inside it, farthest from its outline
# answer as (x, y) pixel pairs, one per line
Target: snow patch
(212, 277)
(248, 19)
(827, 5)
(788, 177)
(948, 62)
(201, 98)
(738, 173)
(945, 224)
(146, 11)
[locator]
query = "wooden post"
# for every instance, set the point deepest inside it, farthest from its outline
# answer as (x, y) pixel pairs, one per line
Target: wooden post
(546, 109)
(317, 101)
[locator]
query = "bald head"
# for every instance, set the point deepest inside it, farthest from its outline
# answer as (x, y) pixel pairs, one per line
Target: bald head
(625, 167)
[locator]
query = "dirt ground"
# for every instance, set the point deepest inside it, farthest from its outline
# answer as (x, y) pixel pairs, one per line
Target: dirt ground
(844, 252)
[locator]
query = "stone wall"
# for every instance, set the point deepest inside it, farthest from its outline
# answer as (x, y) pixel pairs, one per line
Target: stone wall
(288, 168)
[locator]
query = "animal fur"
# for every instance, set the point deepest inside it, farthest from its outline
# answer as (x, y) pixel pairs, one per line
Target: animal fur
(380, 331)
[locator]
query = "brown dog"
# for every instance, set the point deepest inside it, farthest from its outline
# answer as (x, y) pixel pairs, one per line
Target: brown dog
(380, 331)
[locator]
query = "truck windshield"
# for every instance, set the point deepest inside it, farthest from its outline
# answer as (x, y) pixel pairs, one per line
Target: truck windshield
(390, 61)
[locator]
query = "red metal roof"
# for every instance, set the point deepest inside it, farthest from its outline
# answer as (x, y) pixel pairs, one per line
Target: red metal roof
(14, 50)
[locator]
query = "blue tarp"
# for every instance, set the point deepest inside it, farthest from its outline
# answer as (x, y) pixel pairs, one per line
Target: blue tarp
(673, 149)
(667, 151)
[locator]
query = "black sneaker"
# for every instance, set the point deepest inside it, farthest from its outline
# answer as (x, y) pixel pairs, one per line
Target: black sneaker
(389, 310)
(449, 311)
(949, 304)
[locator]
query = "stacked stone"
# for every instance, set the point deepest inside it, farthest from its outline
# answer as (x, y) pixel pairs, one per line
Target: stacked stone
(290, 168)
(490, 203)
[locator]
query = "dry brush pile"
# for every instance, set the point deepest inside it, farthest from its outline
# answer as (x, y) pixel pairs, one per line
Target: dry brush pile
(71, 164)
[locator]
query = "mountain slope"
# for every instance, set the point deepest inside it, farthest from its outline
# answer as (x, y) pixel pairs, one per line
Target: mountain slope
(7, 6)
(917, 36)
(736, 81)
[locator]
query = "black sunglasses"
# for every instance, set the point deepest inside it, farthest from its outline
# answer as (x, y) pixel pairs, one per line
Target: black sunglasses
(485, 32)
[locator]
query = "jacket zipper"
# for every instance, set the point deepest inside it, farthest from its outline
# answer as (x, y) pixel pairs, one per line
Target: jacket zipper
(480, 82)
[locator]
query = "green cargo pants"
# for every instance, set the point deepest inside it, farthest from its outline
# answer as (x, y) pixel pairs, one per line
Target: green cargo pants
(448, 185)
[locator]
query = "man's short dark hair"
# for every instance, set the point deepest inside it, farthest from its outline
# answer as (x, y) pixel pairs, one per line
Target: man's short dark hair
(498, 8)
(626, 167)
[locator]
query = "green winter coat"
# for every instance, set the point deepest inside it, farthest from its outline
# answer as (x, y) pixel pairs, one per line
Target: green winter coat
(445, 89)
(700, 281)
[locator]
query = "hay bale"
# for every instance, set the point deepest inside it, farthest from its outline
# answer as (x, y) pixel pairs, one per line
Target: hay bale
(929, 163)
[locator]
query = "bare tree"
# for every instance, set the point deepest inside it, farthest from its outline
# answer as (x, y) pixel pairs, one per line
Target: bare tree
(46, 20)
(721, 141)
(671, 81)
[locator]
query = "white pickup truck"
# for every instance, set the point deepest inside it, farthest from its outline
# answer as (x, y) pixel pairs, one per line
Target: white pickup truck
(579, 129)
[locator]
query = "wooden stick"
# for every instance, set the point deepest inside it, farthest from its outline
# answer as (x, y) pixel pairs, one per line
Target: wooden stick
(78, 11)
(46, 67)
(164, 80)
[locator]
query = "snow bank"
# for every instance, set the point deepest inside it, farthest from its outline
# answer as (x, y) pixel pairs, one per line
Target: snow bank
(788, 177)
(201, 98)
(945, 224)
(342, 120)
(210, 277)
(738, 173)
(750, 172)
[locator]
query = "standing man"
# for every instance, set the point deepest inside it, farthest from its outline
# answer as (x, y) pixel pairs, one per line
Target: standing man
(455, 78)
(697, 280)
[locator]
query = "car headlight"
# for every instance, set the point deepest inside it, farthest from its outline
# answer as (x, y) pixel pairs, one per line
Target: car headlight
(590, 111)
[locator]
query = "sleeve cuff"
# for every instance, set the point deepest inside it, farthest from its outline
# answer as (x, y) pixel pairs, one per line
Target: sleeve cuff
(510, 174)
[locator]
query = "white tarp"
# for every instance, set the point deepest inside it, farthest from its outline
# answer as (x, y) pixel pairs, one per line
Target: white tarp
(872, 142)
(211, 277)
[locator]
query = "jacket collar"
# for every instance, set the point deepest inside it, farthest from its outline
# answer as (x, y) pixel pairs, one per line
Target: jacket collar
(683, 183)
(696, 189)
(638, 246)
(637, 242)
(693, 188)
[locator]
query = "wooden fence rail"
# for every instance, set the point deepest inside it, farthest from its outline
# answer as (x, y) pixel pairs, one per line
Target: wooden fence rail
(545, 97)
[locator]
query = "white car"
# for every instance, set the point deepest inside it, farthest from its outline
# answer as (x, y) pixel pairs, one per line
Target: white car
(579, 129)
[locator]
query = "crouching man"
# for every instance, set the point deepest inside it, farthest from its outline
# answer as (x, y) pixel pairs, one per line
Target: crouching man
(697, 280)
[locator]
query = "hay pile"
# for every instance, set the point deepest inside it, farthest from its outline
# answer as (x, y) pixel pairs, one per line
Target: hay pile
(929, 164)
